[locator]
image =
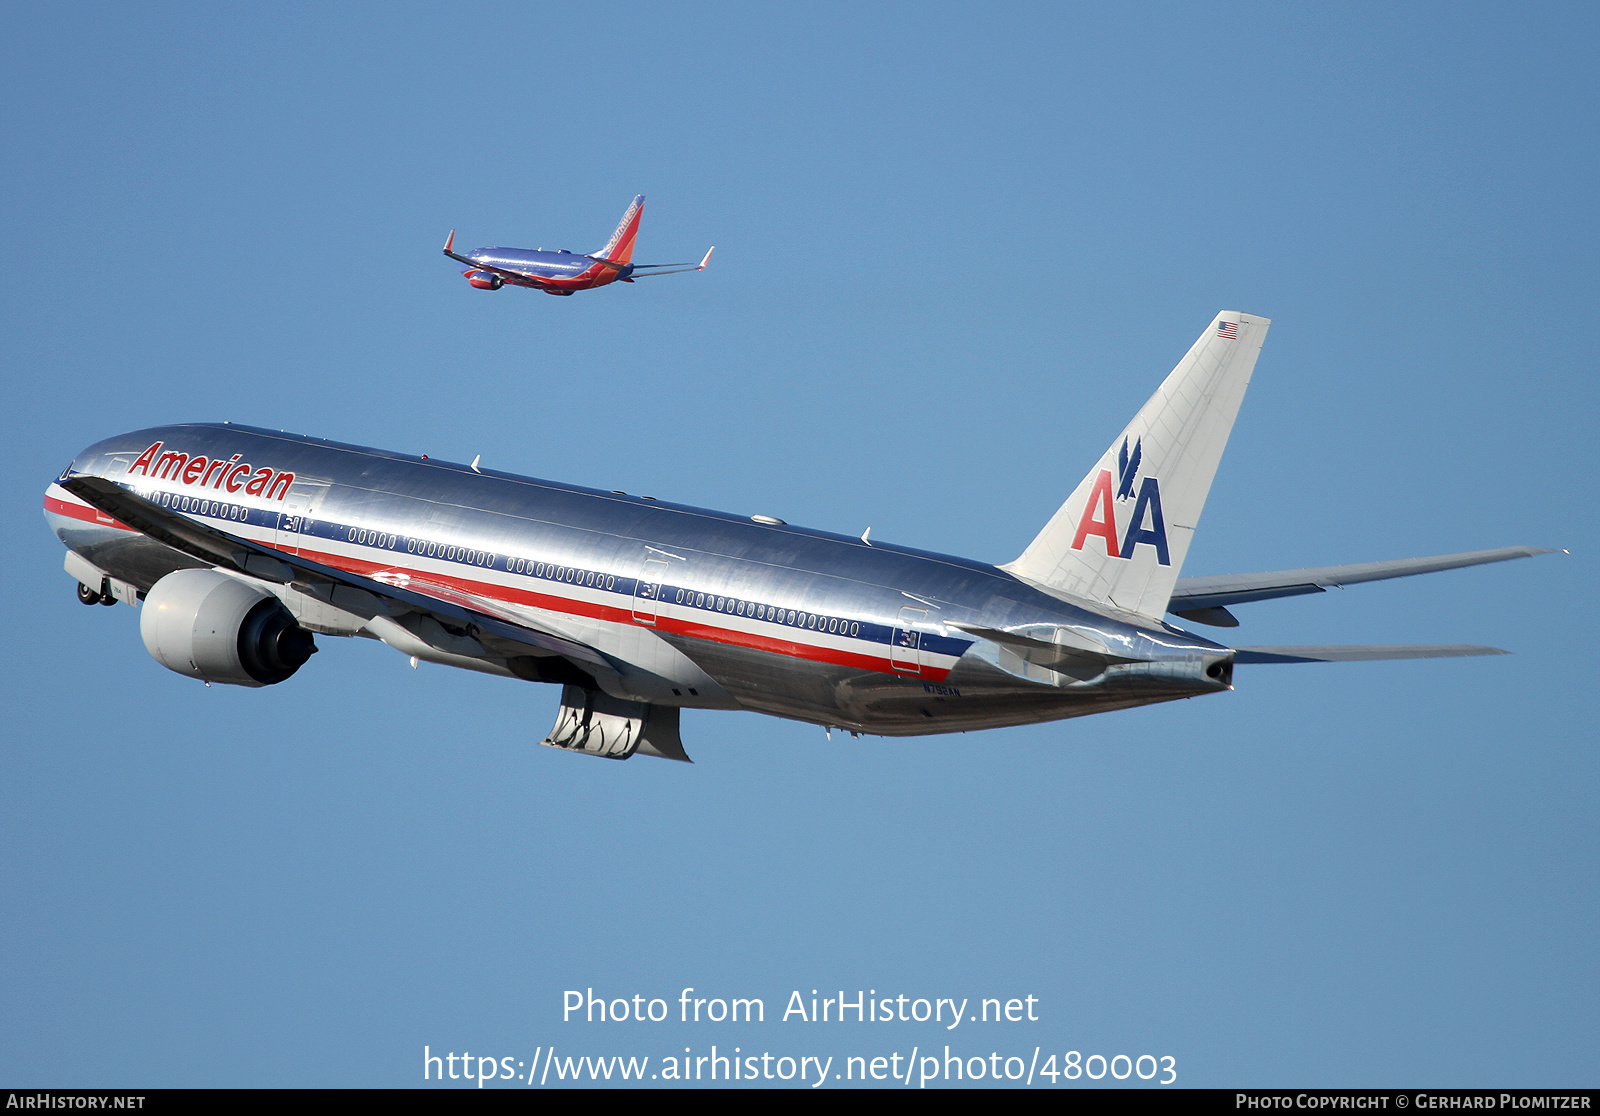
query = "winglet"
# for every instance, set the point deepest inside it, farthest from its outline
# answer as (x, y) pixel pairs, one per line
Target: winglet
(449, 241)
(707, 260)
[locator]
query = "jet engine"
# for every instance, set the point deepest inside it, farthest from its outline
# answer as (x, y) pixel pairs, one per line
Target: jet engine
(486, 280)
(220, 629)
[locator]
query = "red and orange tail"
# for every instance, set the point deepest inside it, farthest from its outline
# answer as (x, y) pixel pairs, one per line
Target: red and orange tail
(619, 249)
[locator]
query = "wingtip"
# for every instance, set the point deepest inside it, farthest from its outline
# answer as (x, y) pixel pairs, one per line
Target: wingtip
(707, 260)
(449, 241)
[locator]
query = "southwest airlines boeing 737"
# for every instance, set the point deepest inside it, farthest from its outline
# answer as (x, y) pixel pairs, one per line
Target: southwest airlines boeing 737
(561, 272)
(242, 543)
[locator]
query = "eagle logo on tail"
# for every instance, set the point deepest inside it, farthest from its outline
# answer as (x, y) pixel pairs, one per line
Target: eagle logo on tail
(1128, 468)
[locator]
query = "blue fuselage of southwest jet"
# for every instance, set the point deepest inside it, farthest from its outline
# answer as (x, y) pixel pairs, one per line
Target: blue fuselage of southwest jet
(558, 272)
(690, 607)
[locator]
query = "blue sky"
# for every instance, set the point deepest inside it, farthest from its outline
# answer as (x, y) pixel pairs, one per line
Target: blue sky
(957, 247)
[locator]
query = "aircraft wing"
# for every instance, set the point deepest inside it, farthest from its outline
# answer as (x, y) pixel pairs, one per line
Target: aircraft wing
(449, 594)
(503, 272)
(402, 593)
(1354, 654)
(640, 270)
(1205, 600)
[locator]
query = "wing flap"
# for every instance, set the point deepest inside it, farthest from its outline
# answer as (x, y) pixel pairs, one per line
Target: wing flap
(506, 614)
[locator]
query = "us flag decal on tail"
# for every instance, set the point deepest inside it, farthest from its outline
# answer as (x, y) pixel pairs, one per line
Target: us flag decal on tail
(1230, 330)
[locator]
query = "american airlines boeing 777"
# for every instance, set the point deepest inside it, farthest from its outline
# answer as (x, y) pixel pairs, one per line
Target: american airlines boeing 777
(241, 543)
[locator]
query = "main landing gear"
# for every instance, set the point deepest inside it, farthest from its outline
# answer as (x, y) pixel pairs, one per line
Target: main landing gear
(90, 596)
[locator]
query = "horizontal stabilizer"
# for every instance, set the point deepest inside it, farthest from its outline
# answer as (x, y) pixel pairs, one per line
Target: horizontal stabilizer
(1205, 600)
(1357, 653)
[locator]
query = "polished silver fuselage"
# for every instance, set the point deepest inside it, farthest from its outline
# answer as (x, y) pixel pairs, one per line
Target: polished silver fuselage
(719, 611)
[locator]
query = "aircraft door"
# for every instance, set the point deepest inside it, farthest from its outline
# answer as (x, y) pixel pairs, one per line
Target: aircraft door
(905, 644)
(303, 501)
(647, 591)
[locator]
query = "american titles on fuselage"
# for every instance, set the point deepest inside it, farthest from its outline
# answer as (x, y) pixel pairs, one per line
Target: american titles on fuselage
(198, 471)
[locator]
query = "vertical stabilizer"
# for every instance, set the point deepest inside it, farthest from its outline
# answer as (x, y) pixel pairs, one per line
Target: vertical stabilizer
(619, 249)
(1121, 537)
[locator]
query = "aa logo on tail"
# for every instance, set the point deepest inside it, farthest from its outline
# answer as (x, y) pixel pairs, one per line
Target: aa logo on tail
(1146, 525)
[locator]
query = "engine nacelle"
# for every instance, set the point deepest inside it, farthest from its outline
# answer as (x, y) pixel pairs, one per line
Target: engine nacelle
(486, 280)
(219, 629)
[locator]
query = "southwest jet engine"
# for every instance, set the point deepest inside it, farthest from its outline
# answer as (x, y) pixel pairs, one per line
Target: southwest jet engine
(220, 629)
